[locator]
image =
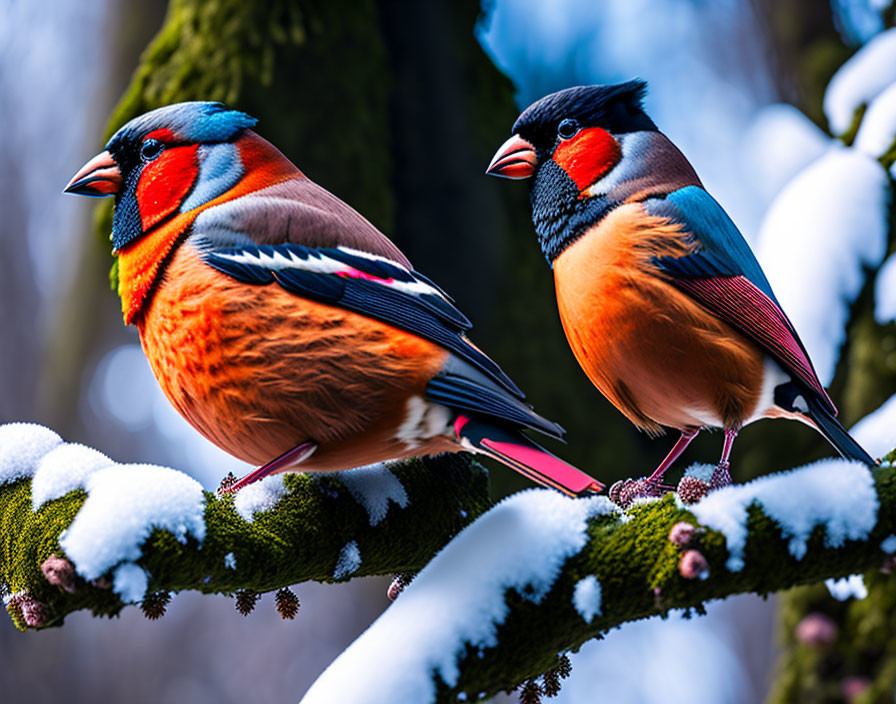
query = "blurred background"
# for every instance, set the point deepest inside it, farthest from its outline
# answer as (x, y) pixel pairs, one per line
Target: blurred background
(397, 108)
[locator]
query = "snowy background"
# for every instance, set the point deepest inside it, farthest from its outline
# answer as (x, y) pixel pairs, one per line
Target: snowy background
(714, 91)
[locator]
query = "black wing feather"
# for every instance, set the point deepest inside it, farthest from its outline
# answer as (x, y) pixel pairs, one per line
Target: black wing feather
(466, 394)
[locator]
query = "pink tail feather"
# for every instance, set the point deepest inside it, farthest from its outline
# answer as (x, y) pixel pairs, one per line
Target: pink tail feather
(526, 457)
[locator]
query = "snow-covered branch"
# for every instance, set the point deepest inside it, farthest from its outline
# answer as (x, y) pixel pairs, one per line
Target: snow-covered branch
(540, 574)
(82, 532)
(536, 575)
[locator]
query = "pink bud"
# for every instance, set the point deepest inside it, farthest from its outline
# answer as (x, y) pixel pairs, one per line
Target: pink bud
(816, 629)
(395, 588)
(401, 580)
(59, 572)
(693, 565)
(33, 612)
(682, 533)
(691, 490)
(852, 687)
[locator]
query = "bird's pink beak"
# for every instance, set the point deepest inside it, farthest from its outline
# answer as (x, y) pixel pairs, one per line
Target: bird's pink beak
(515, 159)
(98, 178)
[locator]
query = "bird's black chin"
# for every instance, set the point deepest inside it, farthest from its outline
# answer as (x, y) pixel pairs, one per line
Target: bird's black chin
(127, 225)
(559, 214)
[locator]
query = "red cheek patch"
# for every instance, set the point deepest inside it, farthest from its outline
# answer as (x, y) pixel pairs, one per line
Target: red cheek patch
(165, 183)
(588, 156)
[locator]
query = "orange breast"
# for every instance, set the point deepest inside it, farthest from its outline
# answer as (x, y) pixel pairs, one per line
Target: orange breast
(657, 355)
(258, 370)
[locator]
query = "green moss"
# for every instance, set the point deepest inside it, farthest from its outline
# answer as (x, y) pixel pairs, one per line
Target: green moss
(209, 51)
(300, 539)
(866, 633)
(30, 537)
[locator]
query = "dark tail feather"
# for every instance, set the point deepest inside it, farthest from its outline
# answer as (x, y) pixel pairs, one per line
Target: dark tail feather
(835, 433)
(525, 456)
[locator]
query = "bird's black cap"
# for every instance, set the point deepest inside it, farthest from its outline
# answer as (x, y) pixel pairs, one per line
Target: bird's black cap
(616, 108)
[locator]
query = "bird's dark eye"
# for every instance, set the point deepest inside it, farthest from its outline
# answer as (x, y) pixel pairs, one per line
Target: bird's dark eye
(567, 128)
(150, 149)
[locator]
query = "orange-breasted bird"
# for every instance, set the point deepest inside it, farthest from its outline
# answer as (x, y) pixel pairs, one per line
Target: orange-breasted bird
(284, 326)
(664, 304)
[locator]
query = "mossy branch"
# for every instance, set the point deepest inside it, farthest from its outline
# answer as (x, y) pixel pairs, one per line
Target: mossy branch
(654, 558)
(642, 571)
(299, 539)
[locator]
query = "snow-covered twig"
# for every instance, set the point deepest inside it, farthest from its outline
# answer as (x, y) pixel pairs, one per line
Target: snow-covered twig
(540, 574)
(82, 532)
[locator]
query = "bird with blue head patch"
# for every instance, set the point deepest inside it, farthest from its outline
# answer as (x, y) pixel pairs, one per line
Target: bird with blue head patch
(202, 122)
(157, 159)
(284, 326)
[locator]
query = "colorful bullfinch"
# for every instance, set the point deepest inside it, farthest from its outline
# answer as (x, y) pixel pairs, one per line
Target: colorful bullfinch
(663, 303)
(284, 326)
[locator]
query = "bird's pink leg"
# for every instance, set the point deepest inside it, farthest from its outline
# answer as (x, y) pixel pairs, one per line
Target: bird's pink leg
(290, 457)
(722, 476)
(625, 491)
(674, 453)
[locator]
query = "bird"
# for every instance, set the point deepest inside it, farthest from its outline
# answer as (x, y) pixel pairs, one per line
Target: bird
(283, 325)
(662, 301)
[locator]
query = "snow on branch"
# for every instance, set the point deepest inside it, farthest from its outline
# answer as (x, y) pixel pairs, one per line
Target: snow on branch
(537, 575)
(836, 209)
(860, 80)
(82, 532)
(541, 574)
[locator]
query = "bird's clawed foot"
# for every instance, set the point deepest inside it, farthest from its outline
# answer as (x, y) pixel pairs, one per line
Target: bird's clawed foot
(624, 492)
(721, 476)
(693, 487)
